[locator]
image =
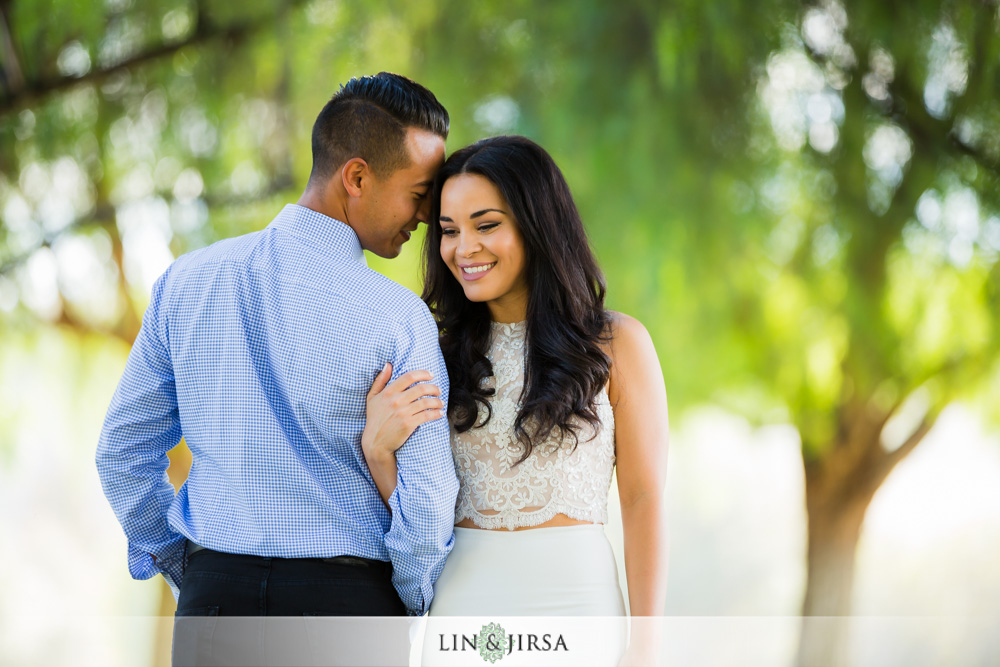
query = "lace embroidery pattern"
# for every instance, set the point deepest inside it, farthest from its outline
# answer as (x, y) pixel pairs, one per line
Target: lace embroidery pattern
(554, 479)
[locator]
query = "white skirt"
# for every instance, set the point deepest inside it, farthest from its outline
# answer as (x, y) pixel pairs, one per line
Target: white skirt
(499, 579)
(559, 571)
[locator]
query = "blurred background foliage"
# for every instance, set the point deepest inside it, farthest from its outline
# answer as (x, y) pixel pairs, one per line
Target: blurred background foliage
(799, 200)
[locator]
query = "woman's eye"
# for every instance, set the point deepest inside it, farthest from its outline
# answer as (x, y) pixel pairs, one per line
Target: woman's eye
(488, 227)
(447, 232)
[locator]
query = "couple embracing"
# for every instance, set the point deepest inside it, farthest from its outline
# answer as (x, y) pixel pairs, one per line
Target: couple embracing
(450, 454)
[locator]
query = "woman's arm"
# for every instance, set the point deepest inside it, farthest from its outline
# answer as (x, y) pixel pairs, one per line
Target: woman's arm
(642, 433)
(393, 413)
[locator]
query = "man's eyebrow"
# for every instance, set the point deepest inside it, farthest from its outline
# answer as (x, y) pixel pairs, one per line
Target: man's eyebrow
(485, 211)
(424, 184)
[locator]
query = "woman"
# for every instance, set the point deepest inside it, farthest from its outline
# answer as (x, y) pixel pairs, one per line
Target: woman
(549, 391)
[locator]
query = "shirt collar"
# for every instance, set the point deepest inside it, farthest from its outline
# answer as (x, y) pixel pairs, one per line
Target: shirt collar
(321, 231)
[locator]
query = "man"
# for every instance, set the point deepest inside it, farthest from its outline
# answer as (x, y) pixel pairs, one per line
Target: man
(260, 351)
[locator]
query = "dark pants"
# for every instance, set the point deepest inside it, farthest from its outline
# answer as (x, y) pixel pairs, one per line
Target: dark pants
(227, 585)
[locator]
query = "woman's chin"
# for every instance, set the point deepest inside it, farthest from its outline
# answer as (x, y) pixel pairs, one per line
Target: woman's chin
(476, 296)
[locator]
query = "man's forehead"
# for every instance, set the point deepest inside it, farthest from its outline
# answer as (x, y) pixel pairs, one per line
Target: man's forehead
(426, 149)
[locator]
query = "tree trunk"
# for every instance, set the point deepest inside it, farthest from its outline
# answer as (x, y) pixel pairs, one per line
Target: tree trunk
(834, 521)
(840, 485)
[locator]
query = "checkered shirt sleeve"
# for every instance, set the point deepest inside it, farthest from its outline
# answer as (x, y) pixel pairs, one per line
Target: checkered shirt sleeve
(426, 486)
(142, 424)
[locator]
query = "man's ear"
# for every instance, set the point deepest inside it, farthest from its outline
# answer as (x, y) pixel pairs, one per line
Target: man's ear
(354, 174)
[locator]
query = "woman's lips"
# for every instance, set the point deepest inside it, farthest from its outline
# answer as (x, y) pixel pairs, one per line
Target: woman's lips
(476, 272)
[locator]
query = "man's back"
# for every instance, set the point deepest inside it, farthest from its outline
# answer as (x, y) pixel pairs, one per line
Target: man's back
(260, 350)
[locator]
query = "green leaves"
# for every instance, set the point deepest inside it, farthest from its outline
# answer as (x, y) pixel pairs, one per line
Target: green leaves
(752, 176)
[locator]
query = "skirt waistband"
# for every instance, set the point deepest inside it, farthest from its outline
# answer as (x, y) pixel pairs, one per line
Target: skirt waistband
(582, 527)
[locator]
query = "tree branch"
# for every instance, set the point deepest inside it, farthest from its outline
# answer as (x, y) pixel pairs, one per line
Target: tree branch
(990, 164)
(100, 218)
(105, 217)
(126, 333)
(33, 91)
(13, 77)
(898, 454)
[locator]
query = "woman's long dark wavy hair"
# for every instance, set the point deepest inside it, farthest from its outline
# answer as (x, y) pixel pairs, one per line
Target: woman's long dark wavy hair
(566, 367)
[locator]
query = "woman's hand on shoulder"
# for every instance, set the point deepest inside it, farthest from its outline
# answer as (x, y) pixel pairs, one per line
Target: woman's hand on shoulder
(394, 411)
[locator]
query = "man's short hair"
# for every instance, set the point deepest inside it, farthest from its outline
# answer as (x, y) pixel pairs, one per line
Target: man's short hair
(368, 118)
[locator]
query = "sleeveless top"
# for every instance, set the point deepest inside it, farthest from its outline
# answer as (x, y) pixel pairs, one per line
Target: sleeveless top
(554, 479)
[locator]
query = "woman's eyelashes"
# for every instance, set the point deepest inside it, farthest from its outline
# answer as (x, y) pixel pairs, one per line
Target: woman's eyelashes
(451, 231)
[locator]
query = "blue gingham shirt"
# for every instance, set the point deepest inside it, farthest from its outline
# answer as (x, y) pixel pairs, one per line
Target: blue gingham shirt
(260, 351)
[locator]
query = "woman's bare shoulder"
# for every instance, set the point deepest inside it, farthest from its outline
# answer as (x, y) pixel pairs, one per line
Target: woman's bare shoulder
(629, 347)
(626, 333)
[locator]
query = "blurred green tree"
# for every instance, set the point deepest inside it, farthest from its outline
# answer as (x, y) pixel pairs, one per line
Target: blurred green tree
(799, 200)
(873, 301)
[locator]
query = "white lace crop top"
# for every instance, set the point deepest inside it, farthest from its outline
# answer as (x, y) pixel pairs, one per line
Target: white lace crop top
(554, 479)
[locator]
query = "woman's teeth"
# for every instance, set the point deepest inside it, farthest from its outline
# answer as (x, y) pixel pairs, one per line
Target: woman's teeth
(479, 269)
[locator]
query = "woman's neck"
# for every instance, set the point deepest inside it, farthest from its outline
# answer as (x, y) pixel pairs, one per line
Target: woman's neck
(510, 308)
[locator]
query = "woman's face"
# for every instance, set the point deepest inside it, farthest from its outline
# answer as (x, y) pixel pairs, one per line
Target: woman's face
(482, 246)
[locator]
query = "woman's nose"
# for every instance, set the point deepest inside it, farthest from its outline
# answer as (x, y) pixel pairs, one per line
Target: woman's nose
(467, 246)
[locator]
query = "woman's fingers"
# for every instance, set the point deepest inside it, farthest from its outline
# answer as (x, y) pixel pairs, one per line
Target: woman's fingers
(418, 391)
(426, 403)
(431, 415)
(406, 380)
(405, 385)
(396, 409)
(423, 417)
(381, 380)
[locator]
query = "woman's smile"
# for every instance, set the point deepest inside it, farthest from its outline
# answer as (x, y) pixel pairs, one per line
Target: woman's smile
(476, 271)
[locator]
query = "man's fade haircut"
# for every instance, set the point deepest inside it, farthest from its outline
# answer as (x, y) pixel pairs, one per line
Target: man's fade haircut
(368, 118)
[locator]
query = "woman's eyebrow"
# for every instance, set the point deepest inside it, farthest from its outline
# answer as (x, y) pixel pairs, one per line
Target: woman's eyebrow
(444, 218)
(485, 211)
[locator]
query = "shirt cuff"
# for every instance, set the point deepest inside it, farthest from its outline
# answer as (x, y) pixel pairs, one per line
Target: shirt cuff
(169, 562)
(172, 574)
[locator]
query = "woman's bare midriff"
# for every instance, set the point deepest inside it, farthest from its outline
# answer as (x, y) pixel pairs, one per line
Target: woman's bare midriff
(557, 520)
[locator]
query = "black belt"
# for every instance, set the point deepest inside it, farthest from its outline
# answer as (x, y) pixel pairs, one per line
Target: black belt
(355, 561)
(193, 548)
(351, 561)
